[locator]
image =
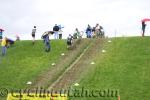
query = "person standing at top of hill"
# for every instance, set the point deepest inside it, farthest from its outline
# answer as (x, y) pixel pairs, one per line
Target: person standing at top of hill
(4, 48)
(143, 28)
(97, 30)
(56, 30)
(17, 37)
(89, 31)
(33, 34)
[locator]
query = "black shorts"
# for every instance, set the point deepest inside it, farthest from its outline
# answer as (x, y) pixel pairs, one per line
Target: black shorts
(33, 35)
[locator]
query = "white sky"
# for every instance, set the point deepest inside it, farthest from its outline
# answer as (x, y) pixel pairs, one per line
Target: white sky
(122, 16)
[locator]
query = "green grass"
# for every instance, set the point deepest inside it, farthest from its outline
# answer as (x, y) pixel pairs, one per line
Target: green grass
(24, 62)
(125, 67)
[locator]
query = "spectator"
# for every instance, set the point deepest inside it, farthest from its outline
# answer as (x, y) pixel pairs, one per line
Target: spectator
(143, 28)
(93, 32)
(60, 31)
(33, 34)
(89, 31)
(56, 29)
(17, 38)
(60, 34)
(102, 33)
(97, 30)
(4, 48)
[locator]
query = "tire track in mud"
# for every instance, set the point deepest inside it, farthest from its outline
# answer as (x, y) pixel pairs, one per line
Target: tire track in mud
(73, 73)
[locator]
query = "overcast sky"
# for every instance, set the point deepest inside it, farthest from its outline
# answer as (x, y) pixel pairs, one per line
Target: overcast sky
(120, 16)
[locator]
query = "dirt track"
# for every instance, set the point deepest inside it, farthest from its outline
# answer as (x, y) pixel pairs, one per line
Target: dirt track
(70, 68)
(74, 73)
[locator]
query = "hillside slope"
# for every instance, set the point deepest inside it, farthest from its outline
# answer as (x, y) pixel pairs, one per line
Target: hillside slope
(24, 62)
(124, 67)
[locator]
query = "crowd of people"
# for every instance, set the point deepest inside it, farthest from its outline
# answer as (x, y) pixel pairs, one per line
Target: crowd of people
(96, 31)
(91, 32)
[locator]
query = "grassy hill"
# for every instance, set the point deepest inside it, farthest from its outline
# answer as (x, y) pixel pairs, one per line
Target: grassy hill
(124, 67)
(25, 61)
